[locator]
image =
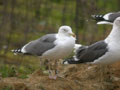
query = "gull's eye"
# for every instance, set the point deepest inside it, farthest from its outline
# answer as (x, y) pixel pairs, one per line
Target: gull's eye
(65, 30)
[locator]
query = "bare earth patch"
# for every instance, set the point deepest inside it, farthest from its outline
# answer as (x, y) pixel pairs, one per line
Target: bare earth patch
(74, 77)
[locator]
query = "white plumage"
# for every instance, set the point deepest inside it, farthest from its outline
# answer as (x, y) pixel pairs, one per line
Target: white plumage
(102, 52)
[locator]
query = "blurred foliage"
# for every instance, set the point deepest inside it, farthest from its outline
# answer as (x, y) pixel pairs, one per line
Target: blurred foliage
(24, 20)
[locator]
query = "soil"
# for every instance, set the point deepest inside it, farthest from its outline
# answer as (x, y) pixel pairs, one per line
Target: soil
(73, 77)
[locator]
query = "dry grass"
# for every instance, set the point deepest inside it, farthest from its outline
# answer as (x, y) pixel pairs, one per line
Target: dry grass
(75, 77)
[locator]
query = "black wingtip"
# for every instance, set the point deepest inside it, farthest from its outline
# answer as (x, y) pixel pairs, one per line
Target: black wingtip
(16, 51)
(71, 61)
(98, 17)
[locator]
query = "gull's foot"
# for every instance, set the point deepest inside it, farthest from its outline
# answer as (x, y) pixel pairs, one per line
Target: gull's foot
(53, 77)
(52, 74)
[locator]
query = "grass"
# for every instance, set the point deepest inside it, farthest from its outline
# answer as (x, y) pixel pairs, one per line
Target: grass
(18, 66)
(8, 88)
(11, 71)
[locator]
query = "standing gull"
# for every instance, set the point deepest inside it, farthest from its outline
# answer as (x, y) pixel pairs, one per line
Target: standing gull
(102, 52)
(107, 18)
(51, 46)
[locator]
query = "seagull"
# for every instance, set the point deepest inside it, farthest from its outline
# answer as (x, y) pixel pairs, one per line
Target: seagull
(107, 18)
(51, 46)
(103, 52)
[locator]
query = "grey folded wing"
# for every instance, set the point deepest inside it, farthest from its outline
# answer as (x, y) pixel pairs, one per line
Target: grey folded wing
(41, 45)
(92, 52)
(113, 16)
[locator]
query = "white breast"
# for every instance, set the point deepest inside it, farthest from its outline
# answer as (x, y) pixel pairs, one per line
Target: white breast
(113, 54)
(63, 48)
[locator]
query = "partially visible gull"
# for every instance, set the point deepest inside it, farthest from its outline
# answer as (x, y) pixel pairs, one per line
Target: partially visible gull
(102, 52)
(106, 18)
(51, 46)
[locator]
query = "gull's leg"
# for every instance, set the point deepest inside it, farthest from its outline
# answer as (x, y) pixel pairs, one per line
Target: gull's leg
(52, 70)
(49, 69)
(56, 68)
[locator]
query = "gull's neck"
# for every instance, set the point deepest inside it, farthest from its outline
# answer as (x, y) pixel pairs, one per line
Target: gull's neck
(114, 35)
(62, 35)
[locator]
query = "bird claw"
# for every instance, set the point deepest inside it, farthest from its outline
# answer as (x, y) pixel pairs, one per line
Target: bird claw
(53, 77)
(52, 74)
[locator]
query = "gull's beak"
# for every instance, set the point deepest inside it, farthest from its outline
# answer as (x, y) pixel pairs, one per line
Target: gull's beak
(72, 34)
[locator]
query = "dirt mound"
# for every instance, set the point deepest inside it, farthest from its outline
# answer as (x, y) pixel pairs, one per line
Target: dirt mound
(74, 77)
(12, 84)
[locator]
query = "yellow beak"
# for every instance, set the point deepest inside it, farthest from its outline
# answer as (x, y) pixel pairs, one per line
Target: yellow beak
(72, 34)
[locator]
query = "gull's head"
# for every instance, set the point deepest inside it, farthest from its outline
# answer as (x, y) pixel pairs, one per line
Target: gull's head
(117, 22)
(66, 31)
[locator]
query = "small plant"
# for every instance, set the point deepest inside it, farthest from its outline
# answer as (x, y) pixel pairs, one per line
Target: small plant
(41, 87)
(8, 88)
(23, 76)
(8, 71)
(14, 71)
